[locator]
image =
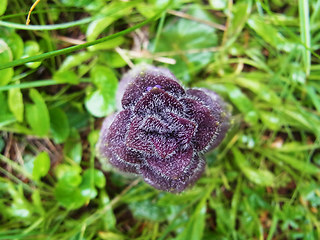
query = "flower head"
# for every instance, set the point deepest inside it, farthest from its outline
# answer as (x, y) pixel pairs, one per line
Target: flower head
(162, 129)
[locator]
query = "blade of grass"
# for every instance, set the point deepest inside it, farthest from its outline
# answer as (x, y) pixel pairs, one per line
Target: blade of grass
(274, 223)
(160, 26)
(305, 33)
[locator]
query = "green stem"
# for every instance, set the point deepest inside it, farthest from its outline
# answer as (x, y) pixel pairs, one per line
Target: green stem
(45, 27)
(39, 83)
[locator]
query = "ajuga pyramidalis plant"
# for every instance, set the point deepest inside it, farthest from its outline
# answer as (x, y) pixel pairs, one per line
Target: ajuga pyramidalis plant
(162, 129)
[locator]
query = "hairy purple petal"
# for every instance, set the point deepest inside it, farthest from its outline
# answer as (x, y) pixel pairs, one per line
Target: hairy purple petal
(173, 166)
(104, 133)
(113, 144)
(218, 110)
(115, 135)
(206, 124)
(163, 145)
(210, 99)
(137, 139)
(174, 184)
(126, 160)
(145, 79)
(154, 125)
(157, 101)
(183, 128)
(164, 130)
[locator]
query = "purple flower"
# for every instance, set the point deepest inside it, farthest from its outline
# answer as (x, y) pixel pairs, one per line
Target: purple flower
(162, 129)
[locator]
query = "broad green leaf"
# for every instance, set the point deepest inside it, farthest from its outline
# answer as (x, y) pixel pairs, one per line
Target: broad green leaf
(37, 114)
(97, 106)
(5, 57)
(3, 6)
(16, 45)
(15, 102)
(68, 174)
(181, 35)
(69, 197)
(91, 179)
(66, 76)
(59, 125)
(67, 190)
(115, 10)
(14, 42)
(41, 165)
(6, 116)
(258, 176)
(93, 138)
(28, 162)
(75, 60)
(96, 176)
(88, 191)
(111, 44)
(78, 116)
(101, 102)
(73, 147)
(97, 26)
(112, 59)
(31, 48)
(104, 78)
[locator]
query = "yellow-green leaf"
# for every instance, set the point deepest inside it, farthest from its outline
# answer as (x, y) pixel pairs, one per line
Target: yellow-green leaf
(15, 102)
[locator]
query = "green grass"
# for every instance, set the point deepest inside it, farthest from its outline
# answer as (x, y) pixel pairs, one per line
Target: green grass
(58, 78)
